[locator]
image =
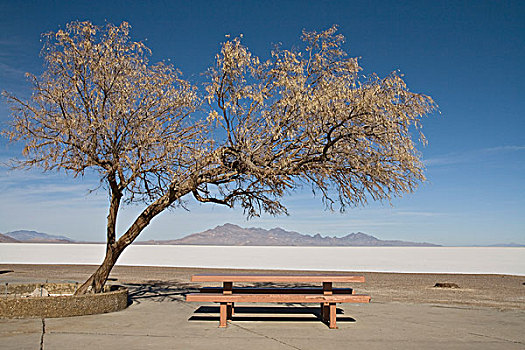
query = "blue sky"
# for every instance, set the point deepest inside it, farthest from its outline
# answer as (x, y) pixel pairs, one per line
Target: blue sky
(468, 55)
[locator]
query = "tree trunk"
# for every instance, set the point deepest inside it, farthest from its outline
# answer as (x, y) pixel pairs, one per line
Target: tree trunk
(95, 283)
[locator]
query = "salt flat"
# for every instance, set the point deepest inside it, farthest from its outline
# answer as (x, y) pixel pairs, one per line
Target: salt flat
(467, 260)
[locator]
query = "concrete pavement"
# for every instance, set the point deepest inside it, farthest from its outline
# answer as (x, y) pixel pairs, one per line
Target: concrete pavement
(165, 321)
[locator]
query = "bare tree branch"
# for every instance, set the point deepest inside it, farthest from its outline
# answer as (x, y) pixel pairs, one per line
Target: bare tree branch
(301, 117)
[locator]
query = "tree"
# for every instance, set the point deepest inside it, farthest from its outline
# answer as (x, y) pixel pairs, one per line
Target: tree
(269, 127)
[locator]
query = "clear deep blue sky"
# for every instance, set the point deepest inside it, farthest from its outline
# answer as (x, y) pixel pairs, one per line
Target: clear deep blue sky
(468, 55)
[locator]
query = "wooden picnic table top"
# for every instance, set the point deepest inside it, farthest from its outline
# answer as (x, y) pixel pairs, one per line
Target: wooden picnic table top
(314, 278)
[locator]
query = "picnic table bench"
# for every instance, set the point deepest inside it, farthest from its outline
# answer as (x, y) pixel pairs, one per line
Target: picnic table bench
(326, 296)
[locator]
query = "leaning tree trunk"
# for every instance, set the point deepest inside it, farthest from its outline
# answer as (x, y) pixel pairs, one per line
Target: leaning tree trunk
(95, 283)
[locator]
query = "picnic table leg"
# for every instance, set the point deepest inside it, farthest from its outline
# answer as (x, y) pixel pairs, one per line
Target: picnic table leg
(333, 316)
(223, 315)
(229, 310)
(227, 288)
(325, 308)
(325, 312)
(327, 288)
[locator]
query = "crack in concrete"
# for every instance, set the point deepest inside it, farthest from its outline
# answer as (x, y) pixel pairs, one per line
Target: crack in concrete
(16, 332)
(43, 332)
(251, 331)
(116, 334)
(265, 336)
(471, 333)
(441, 327)
(496, 338)
(167, 336)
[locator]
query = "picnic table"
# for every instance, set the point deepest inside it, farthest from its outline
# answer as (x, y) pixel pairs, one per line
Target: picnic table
(325, 294)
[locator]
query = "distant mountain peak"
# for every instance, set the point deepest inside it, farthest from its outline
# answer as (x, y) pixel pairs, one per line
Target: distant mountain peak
(228, 225)
(360, 236)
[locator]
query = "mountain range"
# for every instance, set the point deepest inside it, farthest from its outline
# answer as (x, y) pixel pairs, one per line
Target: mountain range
(233, 235)
(25, 236)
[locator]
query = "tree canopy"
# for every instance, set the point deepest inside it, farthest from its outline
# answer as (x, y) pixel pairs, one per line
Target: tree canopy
(301, 117)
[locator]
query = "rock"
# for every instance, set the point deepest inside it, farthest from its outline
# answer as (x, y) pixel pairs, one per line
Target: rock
(39, 292)
(445, 285)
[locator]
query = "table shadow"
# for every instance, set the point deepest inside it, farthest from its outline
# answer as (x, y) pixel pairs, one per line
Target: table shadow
(289, 313)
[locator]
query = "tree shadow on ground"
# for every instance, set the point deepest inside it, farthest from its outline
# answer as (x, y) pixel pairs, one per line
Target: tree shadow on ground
(159, 291)
(162, 291)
